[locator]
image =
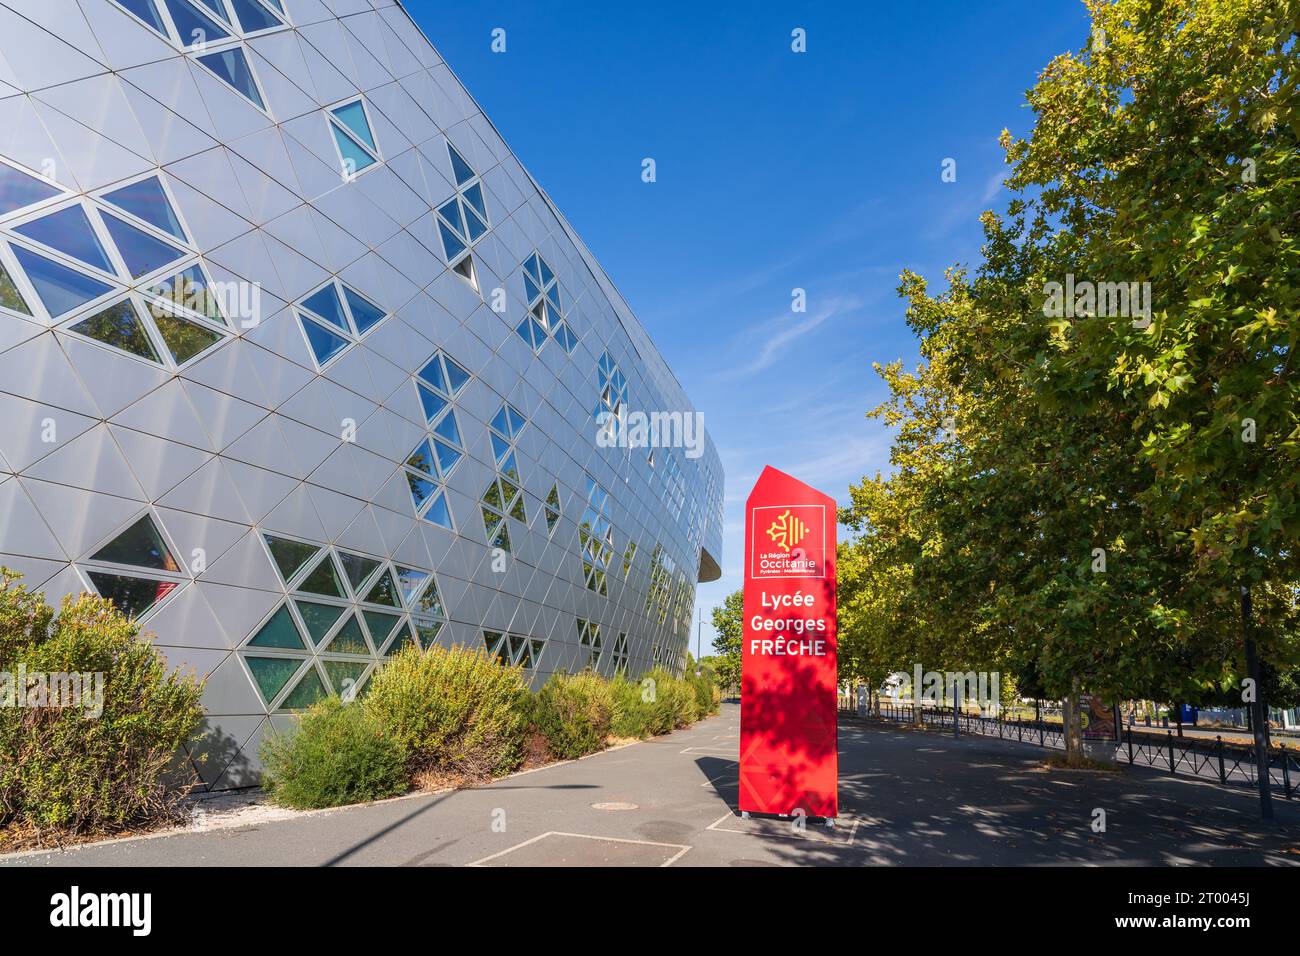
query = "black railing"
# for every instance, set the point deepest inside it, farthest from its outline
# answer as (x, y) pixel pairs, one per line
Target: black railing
(1203, 757)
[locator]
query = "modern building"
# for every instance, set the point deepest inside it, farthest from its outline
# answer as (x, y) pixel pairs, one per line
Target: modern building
(299, 365)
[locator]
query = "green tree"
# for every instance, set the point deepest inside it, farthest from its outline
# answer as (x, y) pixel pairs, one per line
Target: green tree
(1076, 495)
(728, 628)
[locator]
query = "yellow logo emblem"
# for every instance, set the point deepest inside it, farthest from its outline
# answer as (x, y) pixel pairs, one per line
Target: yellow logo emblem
(787, 531)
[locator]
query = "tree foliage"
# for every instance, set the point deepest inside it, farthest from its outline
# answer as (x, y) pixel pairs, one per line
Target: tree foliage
(1078, 495)
(728, 627)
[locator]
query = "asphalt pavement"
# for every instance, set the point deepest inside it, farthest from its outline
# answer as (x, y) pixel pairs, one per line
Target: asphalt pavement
(906, 797)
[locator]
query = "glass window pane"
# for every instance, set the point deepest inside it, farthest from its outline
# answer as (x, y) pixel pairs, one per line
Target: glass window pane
(459, 167)
(120, 327)
(10, 297)
(232, 68)
(447, 429)
(517, 421)
(501, 422)
(380, 625)
(324, 579)
(289, 556)
(141, 252)
(357, 568)
(403, 639)
(447, 457)
(133, 596)
(193, 25)
(349, 640)
(421, 488)
(68, 231)
(547, 274)
(253, 16)
(384, 591)
(319, 618)
(456, 376)
(428, 631)
(326, 304)
(531, 289)
(451, 246)
(412, 582)
(146, 11)
(279, 631)
(365, 314)
(147, 200)
(140, 545)
(475, 196)
(500, 448)
(216, 7)
(309, 690)
(439, 514)
(272, 673)
(184, 339)
(324, 343)
(433, 405)
(422, 458)
(450, 210)
(354, 156)
(473, 224)
(432, 373)
(353, 116)
(344, 675)
(190, 290)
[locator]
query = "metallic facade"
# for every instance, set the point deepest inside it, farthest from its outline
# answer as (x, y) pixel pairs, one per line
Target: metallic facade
(299, 364)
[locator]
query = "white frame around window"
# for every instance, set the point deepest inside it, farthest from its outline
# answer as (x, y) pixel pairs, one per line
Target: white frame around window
(339, 127)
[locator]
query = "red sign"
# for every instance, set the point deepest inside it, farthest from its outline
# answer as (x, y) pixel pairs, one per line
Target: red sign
(789, 759)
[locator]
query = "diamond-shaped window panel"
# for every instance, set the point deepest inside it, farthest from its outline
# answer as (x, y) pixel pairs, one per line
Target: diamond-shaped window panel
(334, 317)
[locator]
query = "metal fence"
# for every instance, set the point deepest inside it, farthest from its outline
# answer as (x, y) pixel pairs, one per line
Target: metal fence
(1192, 756)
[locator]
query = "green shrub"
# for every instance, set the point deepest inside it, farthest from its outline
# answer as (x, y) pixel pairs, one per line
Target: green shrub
(633, 715)
(674, 702)
(708, 700)
(573, 712)
(106, 763)
(454, 710)
(336, 755)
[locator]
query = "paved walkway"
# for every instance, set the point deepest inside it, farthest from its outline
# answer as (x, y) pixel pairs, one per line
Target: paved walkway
(907, 798)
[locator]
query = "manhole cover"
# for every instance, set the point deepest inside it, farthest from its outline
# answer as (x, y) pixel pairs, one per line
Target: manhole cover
(615, 805)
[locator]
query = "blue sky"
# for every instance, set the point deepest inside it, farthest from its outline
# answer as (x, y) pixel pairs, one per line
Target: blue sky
(775, 170)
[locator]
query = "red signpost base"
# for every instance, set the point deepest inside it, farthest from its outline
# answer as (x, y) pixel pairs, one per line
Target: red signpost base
(789, 759)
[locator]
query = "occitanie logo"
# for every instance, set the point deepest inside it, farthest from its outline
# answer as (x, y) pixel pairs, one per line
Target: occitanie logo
(787, 531)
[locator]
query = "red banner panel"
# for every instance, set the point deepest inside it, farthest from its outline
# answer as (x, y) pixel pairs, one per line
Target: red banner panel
(789, 760)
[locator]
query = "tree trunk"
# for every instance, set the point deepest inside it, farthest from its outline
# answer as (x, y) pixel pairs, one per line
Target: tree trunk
(1073, 723)
(1258, 715)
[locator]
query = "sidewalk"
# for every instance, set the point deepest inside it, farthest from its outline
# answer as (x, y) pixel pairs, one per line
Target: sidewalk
(907, 798)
